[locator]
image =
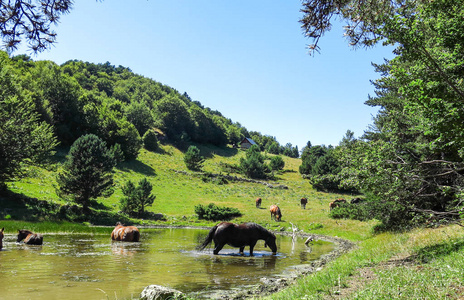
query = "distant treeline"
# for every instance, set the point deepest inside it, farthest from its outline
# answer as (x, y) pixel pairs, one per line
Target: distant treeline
(120, 106)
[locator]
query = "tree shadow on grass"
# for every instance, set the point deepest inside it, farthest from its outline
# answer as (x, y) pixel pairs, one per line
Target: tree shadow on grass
(429, 253)
(137, 166)
(14, 206)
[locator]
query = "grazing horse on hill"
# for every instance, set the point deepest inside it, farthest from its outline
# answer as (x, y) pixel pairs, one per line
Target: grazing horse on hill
(276, 214)
(303, 202)
(336, 203)
(246, 234)
(125, 233)
(29, 237)
(1, 238)
(258, 202)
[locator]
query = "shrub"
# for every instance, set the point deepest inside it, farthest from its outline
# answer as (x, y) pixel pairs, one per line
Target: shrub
(192, 159)
(216, 213)
(277, 163)
(150, 141)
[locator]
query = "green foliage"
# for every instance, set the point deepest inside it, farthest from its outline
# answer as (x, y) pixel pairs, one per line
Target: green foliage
(216, 213)
(139, 114)
(137, 198)
(23, 137)
(87, 171)
(193, 160)
(253, 165)
(277, 163)
(150, 141)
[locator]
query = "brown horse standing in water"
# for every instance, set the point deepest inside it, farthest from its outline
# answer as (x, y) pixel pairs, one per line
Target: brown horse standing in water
(275, 212)
(29, 237)
(246, 234)
(1, 238)
(125, 233)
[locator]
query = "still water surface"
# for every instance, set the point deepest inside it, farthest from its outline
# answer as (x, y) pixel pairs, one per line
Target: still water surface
(91, 266)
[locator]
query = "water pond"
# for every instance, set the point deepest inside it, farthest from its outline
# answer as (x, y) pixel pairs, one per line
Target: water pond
(91, 266)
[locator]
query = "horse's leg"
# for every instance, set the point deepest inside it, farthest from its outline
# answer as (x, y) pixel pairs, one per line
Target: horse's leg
(218, 247)
(241, 250)
(252, 245)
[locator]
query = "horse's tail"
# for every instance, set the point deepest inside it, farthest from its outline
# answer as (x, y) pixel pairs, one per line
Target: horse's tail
(208, 239)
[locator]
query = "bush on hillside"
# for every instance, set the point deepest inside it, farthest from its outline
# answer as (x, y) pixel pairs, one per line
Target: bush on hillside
(216, 213)
(150, 141)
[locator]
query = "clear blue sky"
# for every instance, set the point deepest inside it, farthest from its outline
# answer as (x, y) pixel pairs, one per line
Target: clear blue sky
(245, 58)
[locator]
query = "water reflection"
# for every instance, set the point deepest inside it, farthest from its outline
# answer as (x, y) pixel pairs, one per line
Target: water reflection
(78, 266)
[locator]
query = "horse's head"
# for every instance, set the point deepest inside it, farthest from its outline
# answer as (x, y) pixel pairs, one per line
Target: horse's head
(22, 234)
(271, 243)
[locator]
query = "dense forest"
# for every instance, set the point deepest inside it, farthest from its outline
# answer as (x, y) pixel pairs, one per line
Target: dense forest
(121, 107)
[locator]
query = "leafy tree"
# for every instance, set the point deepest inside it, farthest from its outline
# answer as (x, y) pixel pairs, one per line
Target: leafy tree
(192, 158)
(139, 115)
(137, 198)
(412, 156)
(173, 117)
(87, 171)
(31, 20)
(23, 138)
(150, 141)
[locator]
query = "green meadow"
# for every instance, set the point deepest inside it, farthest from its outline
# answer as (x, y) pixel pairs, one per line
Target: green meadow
(425, 263)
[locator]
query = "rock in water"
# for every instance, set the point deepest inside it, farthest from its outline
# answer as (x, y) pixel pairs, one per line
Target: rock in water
(158, 292)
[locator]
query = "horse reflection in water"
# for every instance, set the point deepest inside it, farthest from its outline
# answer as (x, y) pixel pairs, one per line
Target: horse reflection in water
(125, 233)
(29, 237)
(246, 234)
(1, 238)
(124, 249)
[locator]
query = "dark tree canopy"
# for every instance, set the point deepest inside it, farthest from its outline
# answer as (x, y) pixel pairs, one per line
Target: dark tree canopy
(31, 20)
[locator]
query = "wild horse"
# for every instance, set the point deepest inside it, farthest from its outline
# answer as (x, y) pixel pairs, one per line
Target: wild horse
(246, 234)
(275, 212)
(29, 237)
(125, 233)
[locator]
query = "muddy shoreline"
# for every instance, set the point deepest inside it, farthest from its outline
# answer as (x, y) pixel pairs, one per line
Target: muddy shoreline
(272, 285)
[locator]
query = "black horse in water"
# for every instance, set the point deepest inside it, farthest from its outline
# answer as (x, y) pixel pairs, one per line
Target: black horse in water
(246, 234)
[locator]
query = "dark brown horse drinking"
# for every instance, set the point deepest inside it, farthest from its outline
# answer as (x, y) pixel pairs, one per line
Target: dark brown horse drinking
(246, 234)
(29, 237)
(1, 238)
(125, 233)
(276, 214)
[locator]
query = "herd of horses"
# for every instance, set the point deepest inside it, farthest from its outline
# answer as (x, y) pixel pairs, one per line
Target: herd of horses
(239, 236)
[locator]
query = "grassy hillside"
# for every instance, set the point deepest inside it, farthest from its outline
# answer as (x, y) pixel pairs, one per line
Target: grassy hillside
(178, 190)
(420, 264)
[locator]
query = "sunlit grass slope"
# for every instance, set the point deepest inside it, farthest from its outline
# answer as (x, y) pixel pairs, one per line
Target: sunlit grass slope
(179, 190)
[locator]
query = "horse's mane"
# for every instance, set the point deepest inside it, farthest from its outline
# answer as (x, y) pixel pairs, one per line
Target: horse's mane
(26, 231)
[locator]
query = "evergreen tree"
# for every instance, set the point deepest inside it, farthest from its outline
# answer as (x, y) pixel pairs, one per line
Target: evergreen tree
(193, 160)
(137, 198)
(253, 165)
(87, 171)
